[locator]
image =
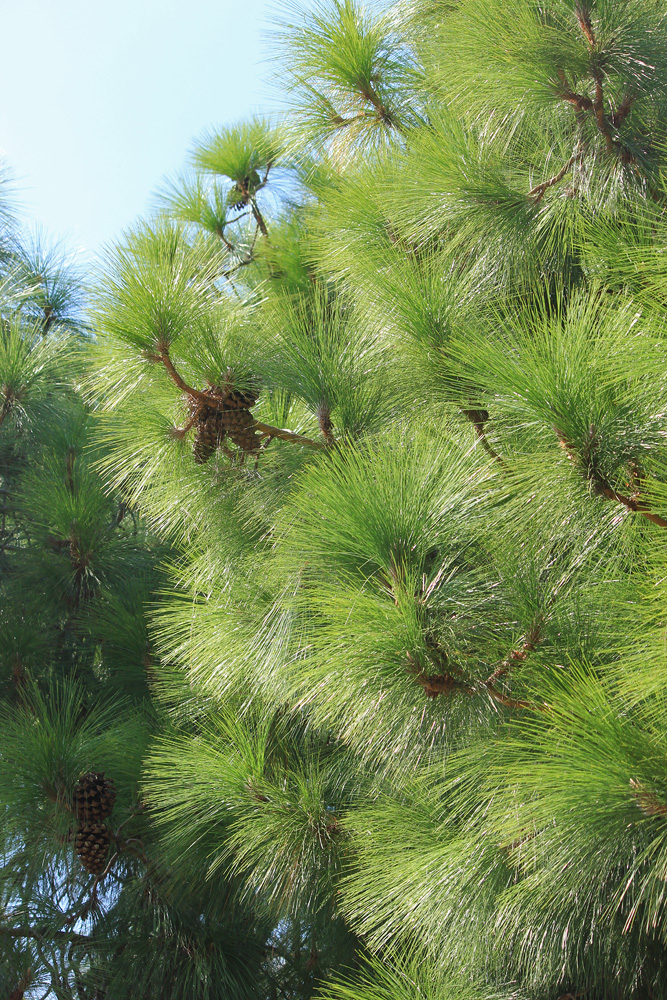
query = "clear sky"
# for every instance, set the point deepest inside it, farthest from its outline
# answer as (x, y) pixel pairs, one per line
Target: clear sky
(101, 100)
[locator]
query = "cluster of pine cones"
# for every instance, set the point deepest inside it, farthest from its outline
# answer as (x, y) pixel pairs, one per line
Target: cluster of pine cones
(93, 801)
(230, 418)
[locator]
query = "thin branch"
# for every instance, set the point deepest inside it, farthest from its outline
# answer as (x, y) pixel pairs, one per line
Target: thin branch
(346, 122)
(436, 684)
(382, 112)
(180, 432)
(478, 418)
(623, 110)
(22, 985)
(242, 263)
(181, 383)
(634, 504)
(507, 702)
(600, 118)
(567, 94)
(584, 19)
(285, 435)
(517, 656)
(266, 176)
(647, 800)
(538, 191)
(220, 230)
(44, 933)
(258, 218)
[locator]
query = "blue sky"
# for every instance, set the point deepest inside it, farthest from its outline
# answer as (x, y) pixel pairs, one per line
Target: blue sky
(101, 100)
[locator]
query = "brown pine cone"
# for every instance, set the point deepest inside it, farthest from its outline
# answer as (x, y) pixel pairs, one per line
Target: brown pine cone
(94, 797)
(239, 426)
(92, 846)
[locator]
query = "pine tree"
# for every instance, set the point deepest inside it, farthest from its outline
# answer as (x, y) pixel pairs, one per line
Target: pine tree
(351, 579)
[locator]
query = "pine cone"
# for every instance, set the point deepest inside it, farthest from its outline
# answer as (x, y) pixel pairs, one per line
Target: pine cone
(208, 437)
(94, 797)
(213, 423)
(238, 400)
(239, 426)
(92, 846)
(238, 198)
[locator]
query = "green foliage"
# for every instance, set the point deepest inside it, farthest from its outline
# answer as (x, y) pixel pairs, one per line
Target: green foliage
(341, 546)
(353, 78)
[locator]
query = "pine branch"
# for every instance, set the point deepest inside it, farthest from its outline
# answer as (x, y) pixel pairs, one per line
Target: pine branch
(24, 982)
(382, 112)
(647, 800)
(266, 176)
(285, 435)
(623, 110)
(598, 107)
(437, 684)
(182, 384)
(346, 122)
(632, 504)
(519, 655)
(7, 402)
(594, 476)
(259, 218)
(44, 933)
(325, 422)
(220, 231)
(537, 193)
(180, 432)
(478, 418)
(507, 702)
(581, 102)
(584, 18)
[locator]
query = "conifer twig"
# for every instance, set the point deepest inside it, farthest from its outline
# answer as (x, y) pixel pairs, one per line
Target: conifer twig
(38, 933)
(600, 118)
(435, 684)
(382, 112)
(584, 19)
(634, 505)
(478, 418)
(24, 982)
(259, 219)
(518, 655)
(647, 800)
(581, 102)
(345, 122)
(265, 177)
(447, 684)
(180, 432)
(623, 110)
(286, 435)
(604, 489)
(537, 193)
(507, 702)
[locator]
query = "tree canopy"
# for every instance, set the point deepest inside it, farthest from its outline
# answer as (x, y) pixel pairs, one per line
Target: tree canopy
(332, 545)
